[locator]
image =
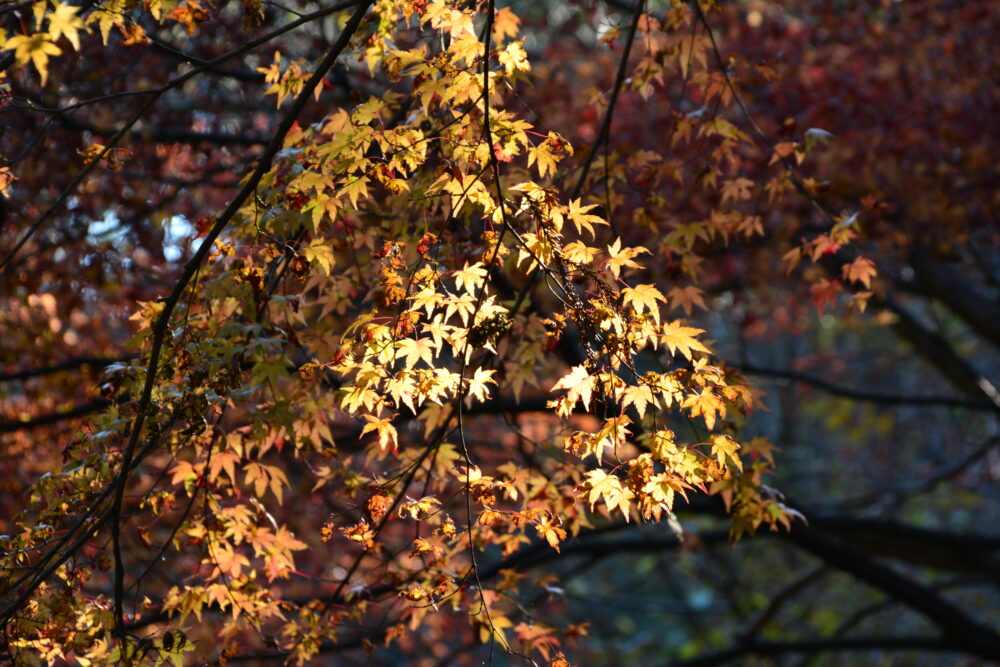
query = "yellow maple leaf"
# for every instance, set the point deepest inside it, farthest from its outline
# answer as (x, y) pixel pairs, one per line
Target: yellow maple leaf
(724, 447)
(64, 22)
(582, 218)
(466, 47)
(505, 24)
(469, 278)
(413, 350)
(679, 338)
(386, 431)
(552, 533)
(514, 59)
(542, 157)
(34, 48)
(643, 298)
(705, 404)
(609, 489)
(638, 396)
(478, 384)
(579, 253)
(620, 258)
(579, 385)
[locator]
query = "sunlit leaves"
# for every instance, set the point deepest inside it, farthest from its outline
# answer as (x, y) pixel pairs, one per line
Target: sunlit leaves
(579, 386)
(35, 49)
(63, 21)
(724, 448)
(470, 278)
(387, 435)
(413, 351)
(620, 258)
(643, 298)
(403, 275)
(705, 404)
(583, 218)
(679, 338)
(479, 384)
(608, 488)
(514, 59)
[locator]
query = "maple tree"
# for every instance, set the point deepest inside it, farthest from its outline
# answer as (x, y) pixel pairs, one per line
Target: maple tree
(349, 329)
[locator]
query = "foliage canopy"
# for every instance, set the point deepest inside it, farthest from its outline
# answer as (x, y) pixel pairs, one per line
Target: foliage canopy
(375, 309)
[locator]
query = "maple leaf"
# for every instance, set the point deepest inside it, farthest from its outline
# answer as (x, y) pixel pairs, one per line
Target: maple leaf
(552, 533)
(418, 508)
(542, 156)
(427, 299)
(861, 270)
(469, 278)
(355, 188)
(6, 178)
(505, 24)
(189, 14)
(320, 252)
(473, 476)
(792, 258)
(579, 253)
(609, 489)
(224, 461)
(463, 306)
(579, 386)
(386, 431)
(638, 396)
(643, 298)
(360, 532)
(412, 350)
(580, 216)
(285, 540)
(514, 59)
(478, 384)
(227, 560)
(423, 547)
(620, 258)
(679, 338)
(278, 561)
(724, 447)
(264, 478)
(737, 189)
(687, 298)
(34, 48)
(64, 22)
(705, 404)
(466, 47)
(821, 246)
(823, 292)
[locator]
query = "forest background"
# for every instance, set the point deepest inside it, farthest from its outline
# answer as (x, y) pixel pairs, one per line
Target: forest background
(559, 332)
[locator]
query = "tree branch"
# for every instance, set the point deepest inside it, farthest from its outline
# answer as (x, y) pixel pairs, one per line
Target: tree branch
(959, 630)
(68, 365)
(819, 645)
(50, 418)
(161, 327)
(940, 354)
(868, 396)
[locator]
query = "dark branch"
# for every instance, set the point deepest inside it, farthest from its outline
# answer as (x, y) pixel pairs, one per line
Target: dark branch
(819, 645)
(868, 396)
(68, 365)
(55, 417)
(941, 355)
(959, 630)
